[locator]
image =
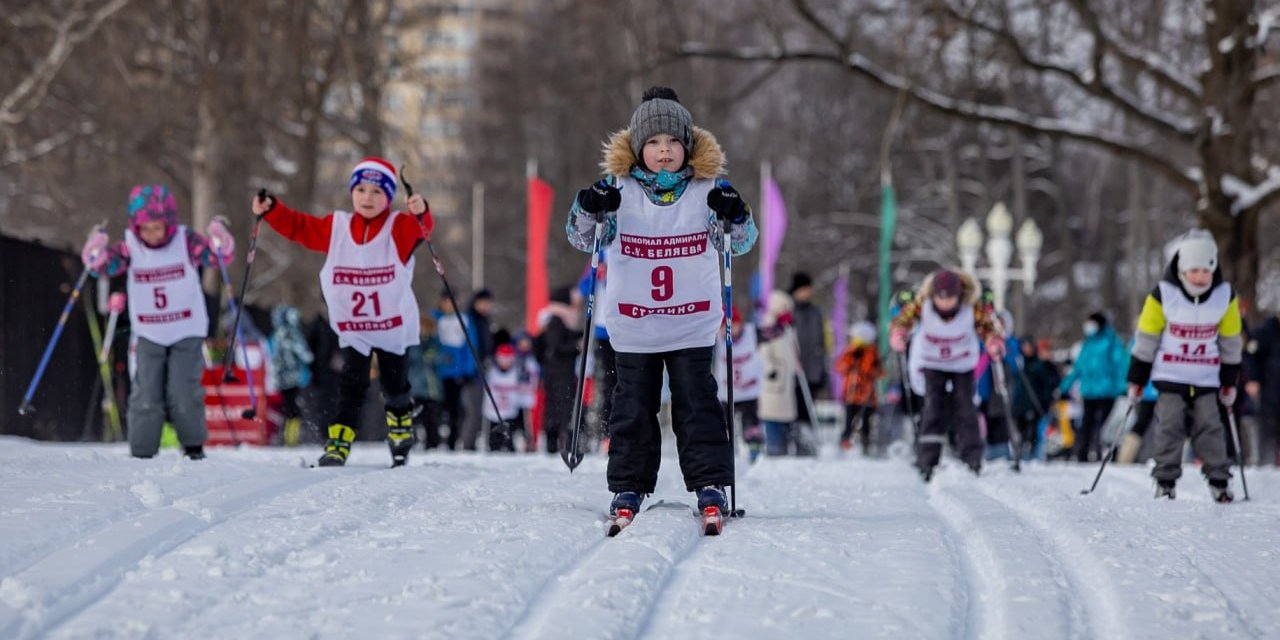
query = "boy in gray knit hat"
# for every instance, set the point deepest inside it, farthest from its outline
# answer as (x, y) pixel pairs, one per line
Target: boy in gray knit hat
(662, 214)
(657, 115)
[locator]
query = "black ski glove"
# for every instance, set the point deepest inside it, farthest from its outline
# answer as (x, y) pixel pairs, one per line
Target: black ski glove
(727, 203)
(599, 198)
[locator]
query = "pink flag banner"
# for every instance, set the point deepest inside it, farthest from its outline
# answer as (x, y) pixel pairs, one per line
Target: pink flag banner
(775, 229)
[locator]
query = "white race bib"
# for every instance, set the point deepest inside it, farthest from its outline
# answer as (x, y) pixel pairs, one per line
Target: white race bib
(663, 289)
(166, 303)
(368, 290)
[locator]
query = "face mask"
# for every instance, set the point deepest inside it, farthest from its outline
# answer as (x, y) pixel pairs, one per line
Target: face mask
(1090, 328)
(667, 180)
(1193, 289)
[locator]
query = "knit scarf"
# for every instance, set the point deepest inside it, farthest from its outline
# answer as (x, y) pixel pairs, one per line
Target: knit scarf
(664, 187)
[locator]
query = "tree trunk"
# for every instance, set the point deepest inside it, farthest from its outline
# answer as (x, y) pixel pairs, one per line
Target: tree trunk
(206, 152)
(1226, 146)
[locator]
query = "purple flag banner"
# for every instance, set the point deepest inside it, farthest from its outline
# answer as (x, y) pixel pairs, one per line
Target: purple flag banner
(775, 229)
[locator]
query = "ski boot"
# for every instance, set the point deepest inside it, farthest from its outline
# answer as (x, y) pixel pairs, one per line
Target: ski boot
(338, 446)
(623, 510)
(1166, 489)
(712, 505)
(976, 467)
(1221, 494)
(400, 437)
(500, 438)
(292, 432)
(195, 452)
(926, 473)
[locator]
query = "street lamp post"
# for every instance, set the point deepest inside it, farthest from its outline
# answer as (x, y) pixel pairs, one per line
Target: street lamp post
(999, 249)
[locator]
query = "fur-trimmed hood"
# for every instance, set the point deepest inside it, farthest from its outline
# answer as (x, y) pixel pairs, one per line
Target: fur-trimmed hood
(971, 289)
(706, 159)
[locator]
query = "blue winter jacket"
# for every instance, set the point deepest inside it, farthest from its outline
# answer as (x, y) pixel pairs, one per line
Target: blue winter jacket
(1101, 367)
(986, 384)
(453, 358)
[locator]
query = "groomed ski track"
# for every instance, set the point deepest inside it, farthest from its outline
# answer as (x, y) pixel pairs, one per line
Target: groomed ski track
(248, 544)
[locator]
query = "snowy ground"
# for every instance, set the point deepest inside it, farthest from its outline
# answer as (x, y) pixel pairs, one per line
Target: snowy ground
(248, 544)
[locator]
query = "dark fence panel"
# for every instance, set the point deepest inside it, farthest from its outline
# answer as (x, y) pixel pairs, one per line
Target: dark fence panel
(35, 282)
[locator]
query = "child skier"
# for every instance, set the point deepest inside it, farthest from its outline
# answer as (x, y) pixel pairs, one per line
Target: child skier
(1189, 342)
(860, 369)
(166, 312)
(291, 365)
(664, 209)
(509, 393)
(952, 326)
(748, 373)
(367, 283)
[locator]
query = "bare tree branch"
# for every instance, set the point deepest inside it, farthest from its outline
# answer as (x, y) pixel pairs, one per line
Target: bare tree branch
(1093, 81)
(74, 28)
(1248, 196)
(45, 146)
(1108, 40)
(1001, 115)
(1265, 77)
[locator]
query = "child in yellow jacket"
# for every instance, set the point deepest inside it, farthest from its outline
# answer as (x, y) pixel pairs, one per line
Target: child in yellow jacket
(1190, 343)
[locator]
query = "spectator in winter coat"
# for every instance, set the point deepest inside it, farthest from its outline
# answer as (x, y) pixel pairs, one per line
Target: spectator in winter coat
(859, 366)
(291, 364)
(557, 347)
(454, 365)
(811, 340)
(992, 403)
(167, 314)
(778, 396)
(1190, 344)
(424, 384)
(473, 395)
(1033, 390)
(1262, 359)
(1099, 369)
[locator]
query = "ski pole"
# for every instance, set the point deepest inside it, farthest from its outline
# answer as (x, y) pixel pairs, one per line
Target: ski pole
(570, 449)
(227, 376)
(1235, 438)
(252, 412)
(26, 408)
(905, 380)
(1110, 453)
(726, 242)
(115, 304)
(457, 312)
(805, 394)
(104, 372)
(1000, 380)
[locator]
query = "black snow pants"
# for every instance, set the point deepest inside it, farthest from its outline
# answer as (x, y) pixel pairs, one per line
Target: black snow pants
(635, 445)
(941, 407)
